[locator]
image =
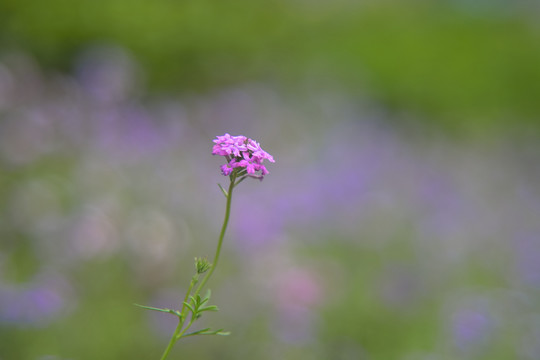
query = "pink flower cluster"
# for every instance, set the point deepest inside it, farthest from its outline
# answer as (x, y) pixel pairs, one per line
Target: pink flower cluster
(241, 152)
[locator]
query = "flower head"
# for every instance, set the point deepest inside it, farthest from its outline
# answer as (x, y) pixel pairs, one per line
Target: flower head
(244, 155)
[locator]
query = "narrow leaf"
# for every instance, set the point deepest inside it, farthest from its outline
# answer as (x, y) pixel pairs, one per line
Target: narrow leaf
(239, 181)
(208, 294)
(198, 332)
(223, 191)
(170, 311)
(194, 303)
(209, 308)
(189, 307)
(207, 332)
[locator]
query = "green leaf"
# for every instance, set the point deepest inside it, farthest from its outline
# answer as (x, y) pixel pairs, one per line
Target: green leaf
(239, 181)
(209, 308)
(170, 311)
(203, 301)
(223, 191)
(208, 294)
(189, 307)
(198, 332)
(208, 332)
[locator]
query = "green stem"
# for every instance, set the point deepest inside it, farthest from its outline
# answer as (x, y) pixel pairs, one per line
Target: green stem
(184, 307)
(221, 236)
(173, 339)
(185, 329)
(179, 332)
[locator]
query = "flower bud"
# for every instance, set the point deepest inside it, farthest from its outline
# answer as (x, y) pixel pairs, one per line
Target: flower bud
(202, 265)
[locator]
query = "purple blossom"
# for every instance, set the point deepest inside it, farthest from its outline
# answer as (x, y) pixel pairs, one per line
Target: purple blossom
(243, 154)
(249, 163)
(228, 168)
(258, 152)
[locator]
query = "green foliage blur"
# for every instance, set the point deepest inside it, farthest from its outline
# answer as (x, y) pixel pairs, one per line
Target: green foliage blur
(468, 66)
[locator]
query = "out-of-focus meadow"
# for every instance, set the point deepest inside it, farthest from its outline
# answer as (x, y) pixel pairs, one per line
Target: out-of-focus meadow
(401, 219)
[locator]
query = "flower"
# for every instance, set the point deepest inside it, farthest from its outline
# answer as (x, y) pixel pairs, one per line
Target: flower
(228, 168)
(244, 155)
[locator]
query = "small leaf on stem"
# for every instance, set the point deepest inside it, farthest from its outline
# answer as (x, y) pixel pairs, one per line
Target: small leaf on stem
(208, 294)
(189, 307)
(209, 308)
(208, 332)
(223, 191)
(170, 311)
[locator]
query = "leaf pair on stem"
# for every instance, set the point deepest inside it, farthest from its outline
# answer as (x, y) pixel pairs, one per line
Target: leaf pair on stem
(196, 306)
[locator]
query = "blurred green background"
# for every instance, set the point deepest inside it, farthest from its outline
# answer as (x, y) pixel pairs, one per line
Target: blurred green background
(401, 219)
(460, 63)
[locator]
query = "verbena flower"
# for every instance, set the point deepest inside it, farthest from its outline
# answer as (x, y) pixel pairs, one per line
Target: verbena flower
(242, 154)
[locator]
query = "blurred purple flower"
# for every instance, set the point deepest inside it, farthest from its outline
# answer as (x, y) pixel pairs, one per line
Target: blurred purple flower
(471, 328)
(129, 132)
(35, 304)
(107, 73)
